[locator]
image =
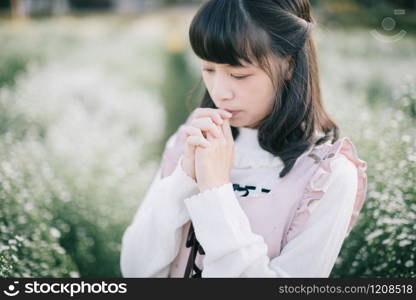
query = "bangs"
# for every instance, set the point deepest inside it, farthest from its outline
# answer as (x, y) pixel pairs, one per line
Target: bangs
(222, 32)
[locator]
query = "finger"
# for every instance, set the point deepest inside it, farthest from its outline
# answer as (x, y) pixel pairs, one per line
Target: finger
(206, 125)
(210, 137)
(216, 114)
(195, 141)
(225, 113)
(191, 130)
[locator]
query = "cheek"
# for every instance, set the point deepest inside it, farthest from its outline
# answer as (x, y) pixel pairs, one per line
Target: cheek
(258, 96)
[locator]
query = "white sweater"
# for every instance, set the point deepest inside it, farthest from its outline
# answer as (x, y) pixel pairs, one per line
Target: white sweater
(152, 241)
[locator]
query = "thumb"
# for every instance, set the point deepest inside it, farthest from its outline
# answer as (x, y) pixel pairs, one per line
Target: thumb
(189, 150)
(228, 134)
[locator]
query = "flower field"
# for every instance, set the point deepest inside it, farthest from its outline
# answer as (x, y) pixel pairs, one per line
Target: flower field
(85, 107)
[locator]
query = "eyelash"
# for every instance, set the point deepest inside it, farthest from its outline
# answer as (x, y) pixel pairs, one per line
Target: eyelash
(236, 77)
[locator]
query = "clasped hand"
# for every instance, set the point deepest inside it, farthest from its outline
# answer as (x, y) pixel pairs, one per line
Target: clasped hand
(209, 149)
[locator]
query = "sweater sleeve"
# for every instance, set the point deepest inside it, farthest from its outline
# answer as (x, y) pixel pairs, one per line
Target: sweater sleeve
(151, 242)
(233, 250)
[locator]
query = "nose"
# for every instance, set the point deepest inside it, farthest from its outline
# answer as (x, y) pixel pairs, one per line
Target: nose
(221, 89)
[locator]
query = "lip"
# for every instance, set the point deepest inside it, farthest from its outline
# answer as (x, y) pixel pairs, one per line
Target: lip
(234, 112)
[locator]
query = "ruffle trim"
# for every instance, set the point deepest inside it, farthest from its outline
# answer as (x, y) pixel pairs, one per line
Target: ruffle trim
(318, 184)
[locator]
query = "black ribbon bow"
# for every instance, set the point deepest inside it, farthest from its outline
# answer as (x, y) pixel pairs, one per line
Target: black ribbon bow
(192, 242)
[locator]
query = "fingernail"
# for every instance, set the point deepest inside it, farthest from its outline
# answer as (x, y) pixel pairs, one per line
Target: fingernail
(228, 114)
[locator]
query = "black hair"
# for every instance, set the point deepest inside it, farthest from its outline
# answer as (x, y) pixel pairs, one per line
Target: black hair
(232, 31)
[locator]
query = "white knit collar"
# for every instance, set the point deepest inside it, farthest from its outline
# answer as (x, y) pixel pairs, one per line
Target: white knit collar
(249, 154)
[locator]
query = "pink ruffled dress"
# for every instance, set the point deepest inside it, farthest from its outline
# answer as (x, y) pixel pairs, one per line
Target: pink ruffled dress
(281, 215)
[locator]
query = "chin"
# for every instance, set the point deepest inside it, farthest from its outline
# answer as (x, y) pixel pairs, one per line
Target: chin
(239, 123)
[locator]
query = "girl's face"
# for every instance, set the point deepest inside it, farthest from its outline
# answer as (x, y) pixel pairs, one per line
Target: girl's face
(246, 89)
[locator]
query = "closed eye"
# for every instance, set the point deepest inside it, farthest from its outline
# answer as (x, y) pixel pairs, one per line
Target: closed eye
(240, 77)
(234, 76)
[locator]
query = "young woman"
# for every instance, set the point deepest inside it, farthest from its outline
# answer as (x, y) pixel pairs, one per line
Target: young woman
(269, 190)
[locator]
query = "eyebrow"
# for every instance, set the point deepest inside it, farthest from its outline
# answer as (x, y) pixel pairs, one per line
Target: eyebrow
(230, 66)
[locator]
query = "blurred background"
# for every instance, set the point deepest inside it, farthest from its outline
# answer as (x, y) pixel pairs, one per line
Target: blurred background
(82, 80)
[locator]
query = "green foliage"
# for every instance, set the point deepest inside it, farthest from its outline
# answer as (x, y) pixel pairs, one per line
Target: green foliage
(407, 100)
(74, 146)
(383, 244)
(370, 92)
(29, 243)
(177, 84)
